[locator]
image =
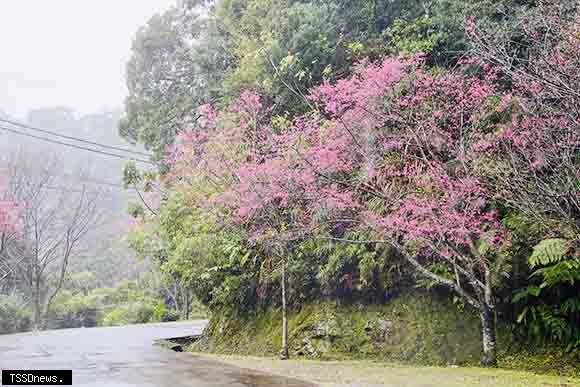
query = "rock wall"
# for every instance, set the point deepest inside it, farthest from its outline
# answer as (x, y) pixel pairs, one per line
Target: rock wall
(416, 327)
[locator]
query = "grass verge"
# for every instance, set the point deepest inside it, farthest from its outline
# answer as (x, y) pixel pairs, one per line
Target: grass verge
(374, 373)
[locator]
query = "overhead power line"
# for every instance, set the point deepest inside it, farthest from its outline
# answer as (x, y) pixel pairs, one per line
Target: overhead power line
(11, 130)
(77, 177)
(76, 190)
(45, 131)
(99, 182)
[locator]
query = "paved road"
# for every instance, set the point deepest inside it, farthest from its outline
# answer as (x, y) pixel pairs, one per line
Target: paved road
(126, 356)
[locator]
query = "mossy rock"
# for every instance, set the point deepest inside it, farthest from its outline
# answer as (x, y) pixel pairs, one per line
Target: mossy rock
(415, 327)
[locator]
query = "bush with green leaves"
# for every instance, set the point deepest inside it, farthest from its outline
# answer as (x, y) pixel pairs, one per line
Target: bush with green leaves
(15, 316)
(550, 304)
(163, 314)
(417, 37)
(134, 313)
(73, 311)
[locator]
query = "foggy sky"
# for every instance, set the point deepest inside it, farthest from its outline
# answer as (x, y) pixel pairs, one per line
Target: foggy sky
(67, 52)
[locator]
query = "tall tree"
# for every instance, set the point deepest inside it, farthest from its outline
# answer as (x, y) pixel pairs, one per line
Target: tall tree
(539, 149)
(53, 227)
(172, 70)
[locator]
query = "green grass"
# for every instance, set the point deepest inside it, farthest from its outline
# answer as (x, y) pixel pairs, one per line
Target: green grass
(360, 373)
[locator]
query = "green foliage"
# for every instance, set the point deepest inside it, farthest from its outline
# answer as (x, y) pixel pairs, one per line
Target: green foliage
(347, 269)
(116, 317)
(73, 311)
(81, 305)
(82, 282)
(136, 210)
(167, 77)
(343, 272)
(134, 313)
(15, 316)
(131, 175)
(163, 314)
(550, 304)
(418, 36)
(226, 284)
(130, 304)
(365, 19)
(549, 252)
(522, 226)
(281, 49)
(494, 15)
(436, 268)
(546, 361)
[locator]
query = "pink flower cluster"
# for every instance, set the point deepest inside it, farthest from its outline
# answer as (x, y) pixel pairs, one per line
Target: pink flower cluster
(406, 145)
(354, 100)
(410, 150)
(272, 182)
(446, 209)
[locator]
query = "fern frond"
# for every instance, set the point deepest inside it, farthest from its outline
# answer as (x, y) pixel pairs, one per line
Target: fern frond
(549, 251)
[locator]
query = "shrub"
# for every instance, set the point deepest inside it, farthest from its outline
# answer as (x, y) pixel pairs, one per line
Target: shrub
(116, 317)
(143, 312)
(14, 315)
(163, 314)
(136, 313)
(550, 305)
(73, 312)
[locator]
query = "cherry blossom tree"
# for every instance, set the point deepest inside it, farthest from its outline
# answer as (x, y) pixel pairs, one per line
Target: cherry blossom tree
(239, 158)
(537, 150)
(269, 195)
(389, 152)
(406, 138)
(395, 152)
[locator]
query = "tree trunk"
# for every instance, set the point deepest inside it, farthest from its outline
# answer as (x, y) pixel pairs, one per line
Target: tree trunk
(45, 314)
(36, 315)
(284, 352)
(489, 338)
(187, 304)
(44, 322)
(488, 323)
(36, 308)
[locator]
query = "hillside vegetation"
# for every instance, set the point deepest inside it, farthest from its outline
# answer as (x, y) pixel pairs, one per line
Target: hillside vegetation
(346, 159)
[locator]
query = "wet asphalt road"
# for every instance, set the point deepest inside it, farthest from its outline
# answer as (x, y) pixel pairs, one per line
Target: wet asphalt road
(126, 356)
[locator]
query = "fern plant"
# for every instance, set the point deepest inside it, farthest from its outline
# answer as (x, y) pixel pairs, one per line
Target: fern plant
(549, 251)
(550, 304)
